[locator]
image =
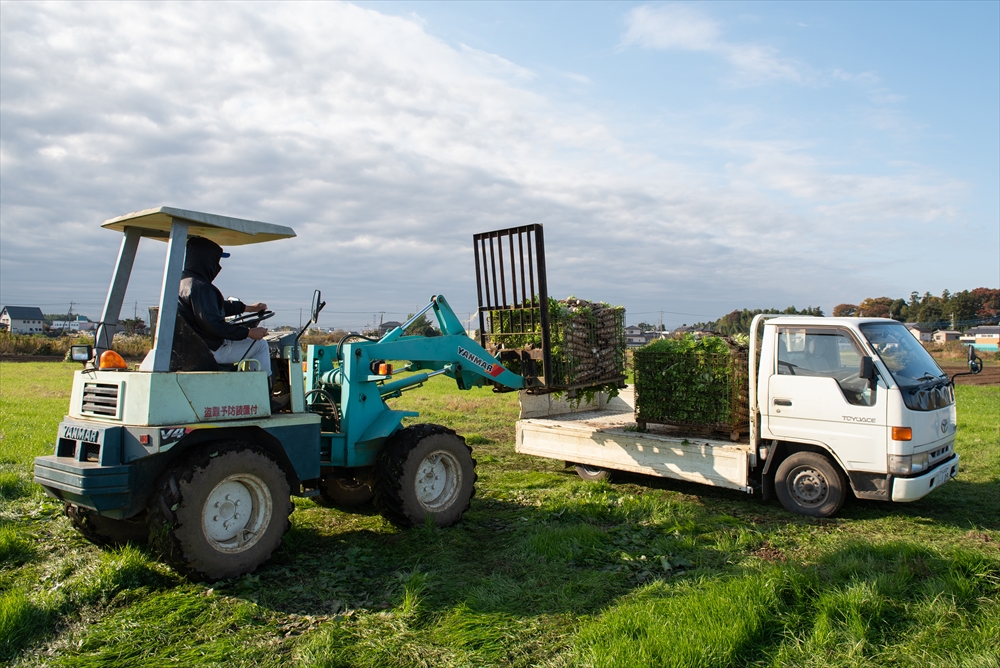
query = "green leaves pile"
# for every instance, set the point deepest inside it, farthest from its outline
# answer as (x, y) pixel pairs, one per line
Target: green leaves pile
(692, 382)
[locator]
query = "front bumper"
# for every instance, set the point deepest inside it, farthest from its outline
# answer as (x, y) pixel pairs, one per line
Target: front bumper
(911, 489)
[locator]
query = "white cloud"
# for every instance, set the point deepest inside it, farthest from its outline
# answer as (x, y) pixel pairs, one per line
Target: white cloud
(386, 149)
(684, 28)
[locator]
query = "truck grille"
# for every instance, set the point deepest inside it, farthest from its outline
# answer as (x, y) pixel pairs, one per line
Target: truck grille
(935, 456)
(101, 399)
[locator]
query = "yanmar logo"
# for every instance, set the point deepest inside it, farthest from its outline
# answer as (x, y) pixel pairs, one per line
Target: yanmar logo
(82, 434)
(851, 418)
(493, 370)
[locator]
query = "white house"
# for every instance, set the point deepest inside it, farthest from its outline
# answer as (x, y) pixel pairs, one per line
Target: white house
(945, 335)
(918, 331)
(22, 319)
(80, 323)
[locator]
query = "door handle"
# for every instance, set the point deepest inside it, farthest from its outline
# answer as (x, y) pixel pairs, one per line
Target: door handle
(782, 402)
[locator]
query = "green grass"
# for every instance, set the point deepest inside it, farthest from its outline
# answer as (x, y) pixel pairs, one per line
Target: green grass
(545, 569)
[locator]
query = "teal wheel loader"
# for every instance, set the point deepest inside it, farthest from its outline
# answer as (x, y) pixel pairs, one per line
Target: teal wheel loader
(202, 460)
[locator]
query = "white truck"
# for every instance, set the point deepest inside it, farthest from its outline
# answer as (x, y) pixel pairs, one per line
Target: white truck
(837, 406)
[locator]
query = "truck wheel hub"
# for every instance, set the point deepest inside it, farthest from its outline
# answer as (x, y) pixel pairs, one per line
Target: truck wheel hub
(438, 481)
(809, 487)
(236, 513)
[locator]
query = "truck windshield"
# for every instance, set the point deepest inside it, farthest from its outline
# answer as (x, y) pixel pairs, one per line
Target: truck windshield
(907, 361)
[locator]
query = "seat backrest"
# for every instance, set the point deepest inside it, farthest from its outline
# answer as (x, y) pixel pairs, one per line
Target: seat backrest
(190, 352)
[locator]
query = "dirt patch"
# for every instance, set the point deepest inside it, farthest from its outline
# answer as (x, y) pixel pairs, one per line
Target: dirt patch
(990, 375)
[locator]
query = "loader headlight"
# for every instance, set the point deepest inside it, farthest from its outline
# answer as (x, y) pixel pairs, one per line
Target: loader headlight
(907, 464)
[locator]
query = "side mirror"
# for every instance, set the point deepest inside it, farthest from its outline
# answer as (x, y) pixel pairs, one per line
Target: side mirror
(317, 305)
(975, 364)
(867, 371)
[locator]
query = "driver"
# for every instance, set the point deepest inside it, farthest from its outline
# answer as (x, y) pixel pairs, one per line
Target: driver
(202, 307)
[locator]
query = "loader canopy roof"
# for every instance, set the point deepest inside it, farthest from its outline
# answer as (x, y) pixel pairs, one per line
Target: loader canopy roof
(223, 230)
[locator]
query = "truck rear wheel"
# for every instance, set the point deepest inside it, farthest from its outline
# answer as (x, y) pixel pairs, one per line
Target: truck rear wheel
(105, 531)
(810, 484)
(592, 473)
(343, 490)
(222, 512)
(424, 471)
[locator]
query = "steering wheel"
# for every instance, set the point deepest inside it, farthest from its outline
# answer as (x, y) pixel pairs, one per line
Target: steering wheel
(251, 319)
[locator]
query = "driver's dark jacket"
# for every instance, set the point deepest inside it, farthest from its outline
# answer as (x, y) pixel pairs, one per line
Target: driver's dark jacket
(200, 303)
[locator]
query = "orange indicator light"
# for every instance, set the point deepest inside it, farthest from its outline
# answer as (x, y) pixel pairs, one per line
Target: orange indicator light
(902, 434)
(112, 360)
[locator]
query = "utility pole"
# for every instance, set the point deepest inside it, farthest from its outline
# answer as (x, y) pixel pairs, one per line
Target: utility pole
(661, 321)
(70, 314)
(300, 317)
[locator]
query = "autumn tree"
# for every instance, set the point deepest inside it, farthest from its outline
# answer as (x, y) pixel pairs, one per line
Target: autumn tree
(844, 310)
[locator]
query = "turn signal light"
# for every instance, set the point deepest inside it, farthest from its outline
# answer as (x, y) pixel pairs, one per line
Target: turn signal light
(902, 434)
(384, 369)
(112, 360)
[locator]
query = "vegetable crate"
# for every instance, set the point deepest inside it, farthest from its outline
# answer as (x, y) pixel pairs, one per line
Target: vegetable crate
(698, 385)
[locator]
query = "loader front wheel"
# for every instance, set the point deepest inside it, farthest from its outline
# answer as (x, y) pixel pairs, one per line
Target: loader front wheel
(424, 473)
(104, 531)
(222, 512)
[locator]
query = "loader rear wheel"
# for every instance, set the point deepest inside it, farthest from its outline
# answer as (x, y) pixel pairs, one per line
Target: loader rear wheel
(807, 483)
(424, 471)
(340, 489)
(105, 531)
(222, 512)
(592, 473)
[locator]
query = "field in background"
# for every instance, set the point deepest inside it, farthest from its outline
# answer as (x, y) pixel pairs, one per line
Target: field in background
(544, 570)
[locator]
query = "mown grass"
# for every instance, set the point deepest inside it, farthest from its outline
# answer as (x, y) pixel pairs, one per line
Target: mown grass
(545, 569)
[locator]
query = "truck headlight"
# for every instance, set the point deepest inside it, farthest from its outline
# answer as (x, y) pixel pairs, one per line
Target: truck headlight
(907, 464)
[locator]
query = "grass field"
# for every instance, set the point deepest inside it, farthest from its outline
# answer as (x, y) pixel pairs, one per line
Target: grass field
(544, 570)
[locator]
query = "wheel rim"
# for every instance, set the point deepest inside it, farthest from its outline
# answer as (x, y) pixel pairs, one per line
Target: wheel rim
(438, 481)
(808, 487)
(236, 513)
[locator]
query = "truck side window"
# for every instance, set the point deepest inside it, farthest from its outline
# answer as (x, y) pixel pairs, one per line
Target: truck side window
(826, 352)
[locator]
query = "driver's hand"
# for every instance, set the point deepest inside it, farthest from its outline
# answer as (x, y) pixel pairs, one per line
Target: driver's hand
(257, 333)
(255, 308)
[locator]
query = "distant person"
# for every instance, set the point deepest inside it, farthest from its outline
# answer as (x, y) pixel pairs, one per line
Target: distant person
(203, 308)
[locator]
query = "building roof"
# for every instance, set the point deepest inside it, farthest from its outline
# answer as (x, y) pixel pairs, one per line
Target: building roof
(24, 312)
(983, 329)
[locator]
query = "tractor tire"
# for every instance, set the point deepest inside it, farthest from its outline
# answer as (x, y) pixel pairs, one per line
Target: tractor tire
(105, 531)
(592, 473)
(221, 513)
(808, 483)
(424, 471)
(340, 489)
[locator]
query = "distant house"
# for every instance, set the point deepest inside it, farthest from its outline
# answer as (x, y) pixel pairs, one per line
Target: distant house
(387, 327)
(22, 319)
(945, 335)
(919, 332)
(634, 337)
(985, 337)
(80, 323)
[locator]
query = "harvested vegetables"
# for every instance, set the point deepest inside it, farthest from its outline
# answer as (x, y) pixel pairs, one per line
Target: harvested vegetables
(693, 383)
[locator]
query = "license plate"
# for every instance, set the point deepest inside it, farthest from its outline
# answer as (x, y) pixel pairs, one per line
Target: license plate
(942, 477)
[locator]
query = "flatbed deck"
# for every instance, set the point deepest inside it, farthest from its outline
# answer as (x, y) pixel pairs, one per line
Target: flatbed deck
(608, 438)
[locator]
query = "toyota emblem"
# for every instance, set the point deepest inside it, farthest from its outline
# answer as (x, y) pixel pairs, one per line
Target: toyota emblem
(944, 426)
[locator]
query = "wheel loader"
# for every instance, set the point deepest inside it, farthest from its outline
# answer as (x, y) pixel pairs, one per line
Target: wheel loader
(203, 461)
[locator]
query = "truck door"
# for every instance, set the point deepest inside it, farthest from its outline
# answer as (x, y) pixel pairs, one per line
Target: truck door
(815, 395)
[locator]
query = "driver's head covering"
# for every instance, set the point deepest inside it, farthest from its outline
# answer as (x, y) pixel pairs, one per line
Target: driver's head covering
(203, 257)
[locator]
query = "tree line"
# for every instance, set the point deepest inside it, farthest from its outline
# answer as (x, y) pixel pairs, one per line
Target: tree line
(960, 310)
(738, 322)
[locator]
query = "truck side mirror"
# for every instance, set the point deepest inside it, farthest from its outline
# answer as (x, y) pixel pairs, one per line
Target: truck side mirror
(867, 370)
(317, 305)
(975, 364)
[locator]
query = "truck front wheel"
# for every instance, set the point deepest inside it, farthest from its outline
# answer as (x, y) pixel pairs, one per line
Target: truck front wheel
(810, 484)
(592, 473)
(424, 471)
(222, 512)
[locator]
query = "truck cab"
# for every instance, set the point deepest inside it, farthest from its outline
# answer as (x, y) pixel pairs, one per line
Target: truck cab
(860, 391)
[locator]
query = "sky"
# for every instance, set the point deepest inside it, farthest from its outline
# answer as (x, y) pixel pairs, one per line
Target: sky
(686, 159)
